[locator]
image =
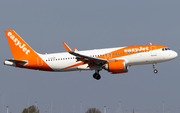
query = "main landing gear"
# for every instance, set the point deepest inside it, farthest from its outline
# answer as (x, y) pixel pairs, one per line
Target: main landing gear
(96, 75)
(155, 70)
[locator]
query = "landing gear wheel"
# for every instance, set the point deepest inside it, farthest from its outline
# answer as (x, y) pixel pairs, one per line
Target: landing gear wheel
(155, 71)
(97, 76)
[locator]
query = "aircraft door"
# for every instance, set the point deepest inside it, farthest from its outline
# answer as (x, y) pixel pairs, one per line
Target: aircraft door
(153, 51)
(39, 62)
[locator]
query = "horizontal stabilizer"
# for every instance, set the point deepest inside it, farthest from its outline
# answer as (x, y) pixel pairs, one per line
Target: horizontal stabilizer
(11, 62)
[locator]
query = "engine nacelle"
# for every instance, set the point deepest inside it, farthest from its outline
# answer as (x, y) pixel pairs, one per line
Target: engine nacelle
(116, 66)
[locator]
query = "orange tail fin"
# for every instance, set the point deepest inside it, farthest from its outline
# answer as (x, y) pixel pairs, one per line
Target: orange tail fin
(24, 55)
(19, 48)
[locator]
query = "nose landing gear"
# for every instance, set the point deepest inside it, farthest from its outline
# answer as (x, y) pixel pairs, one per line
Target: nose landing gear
(155, 70)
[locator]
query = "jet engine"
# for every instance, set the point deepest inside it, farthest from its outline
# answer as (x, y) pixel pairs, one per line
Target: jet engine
(116, 66)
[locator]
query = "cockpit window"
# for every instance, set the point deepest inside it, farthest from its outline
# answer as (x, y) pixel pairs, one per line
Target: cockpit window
(165, 49)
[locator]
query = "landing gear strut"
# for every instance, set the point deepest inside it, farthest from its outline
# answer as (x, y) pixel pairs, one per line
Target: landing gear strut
(155, 70)
(96, 75)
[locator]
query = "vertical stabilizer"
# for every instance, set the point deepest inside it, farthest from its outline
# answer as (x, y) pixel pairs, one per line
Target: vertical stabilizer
(19, 48)
(24, 55)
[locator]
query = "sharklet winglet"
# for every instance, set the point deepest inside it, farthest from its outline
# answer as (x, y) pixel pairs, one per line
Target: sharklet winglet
(67, 47)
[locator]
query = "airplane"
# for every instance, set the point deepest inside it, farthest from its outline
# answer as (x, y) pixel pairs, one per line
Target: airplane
(115, 60)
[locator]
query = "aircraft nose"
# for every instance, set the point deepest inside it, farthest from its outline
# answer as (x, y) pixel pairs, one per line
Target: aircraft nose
(174, 54)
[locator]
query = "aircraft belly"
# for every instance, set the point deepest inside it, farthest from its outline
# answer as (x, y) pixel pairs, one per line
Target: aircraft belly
(60, 65)
(140, 59)
(145, 58)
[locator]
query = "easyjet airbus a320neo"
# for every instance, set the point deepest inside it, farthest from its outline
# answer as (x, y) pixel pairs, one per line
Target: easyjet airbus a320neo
(114, 60)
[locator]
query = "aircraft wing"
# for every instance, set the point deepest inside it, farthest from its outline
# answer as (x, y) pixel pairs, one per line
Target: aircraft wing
(84, 57)
(87, 59)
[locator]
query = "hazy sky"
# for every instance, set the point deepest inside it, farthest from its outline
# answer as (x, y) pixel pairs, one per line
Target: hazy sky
(91, 24)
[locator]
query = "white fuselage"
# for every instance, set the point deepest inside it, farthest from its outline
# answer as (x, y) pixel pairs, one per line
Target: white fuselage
(59, 61)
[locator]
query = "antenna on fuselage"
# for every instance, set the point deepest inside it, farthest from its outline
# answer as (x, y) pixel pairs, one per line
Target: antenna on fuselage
(150, 43)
